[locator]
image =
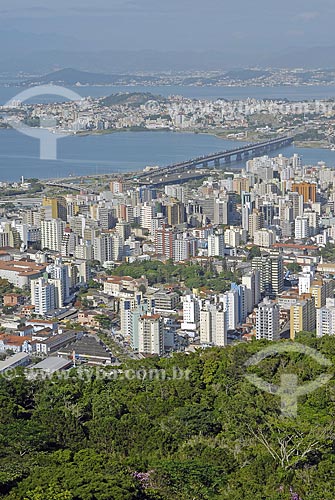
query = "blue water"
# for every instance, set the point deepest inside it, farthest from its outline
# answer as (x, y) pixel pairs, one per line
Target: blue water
(118, 152)
(124, 152)
(295, 93)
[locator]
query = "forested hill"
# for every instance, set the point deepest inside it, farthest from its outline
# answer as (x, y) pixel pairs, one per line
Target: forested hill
(198, 431)
(131, 99)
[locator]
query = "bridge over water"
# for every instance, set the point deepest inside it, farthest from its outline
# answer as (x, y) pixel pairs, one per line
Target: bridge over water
(162, 175)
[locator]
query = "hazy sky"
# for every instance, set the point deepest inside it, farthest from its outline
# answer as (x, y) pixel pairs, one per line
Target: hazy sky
(252, 25)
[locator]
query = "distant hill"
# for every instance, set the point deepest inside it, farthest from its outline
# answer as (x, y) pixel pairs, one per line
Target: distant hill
(70, 76)
(312, 57)
(133, 99)
(246, 74)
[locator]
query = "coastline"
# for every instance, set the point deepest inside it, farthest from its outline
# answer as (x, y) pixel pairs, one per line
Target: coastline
(215, 133)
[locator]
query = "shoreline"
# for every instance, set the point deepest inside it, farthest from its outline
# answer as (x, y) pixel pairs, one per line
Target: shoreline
(215, 133)
(132, 84)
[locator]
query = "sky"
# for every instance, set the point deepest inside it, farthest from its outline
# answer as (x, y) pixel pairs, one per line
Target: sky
(253, 28)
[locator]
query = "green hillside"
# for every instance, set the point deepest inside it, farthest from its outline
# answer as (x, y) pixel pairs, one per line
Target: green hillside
(198, 431)
(132, 99)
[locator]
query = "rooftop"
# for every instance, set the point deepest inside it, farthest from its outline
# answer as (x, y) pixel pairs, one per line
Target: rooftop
(52, 364)
(21, 267)
(9, 362)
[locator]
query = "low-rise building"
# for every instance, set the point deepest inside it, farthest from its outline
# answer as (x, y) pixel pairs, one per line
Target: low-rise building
(12, 299)
(19, 359)
(15, 343)
(21, 273)
(56, 342)
(88, 318)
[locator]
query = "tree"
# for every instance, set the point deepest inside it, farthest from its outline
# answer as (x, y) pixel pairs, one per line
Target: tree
(104, 321)
(146, 431)
(294, 267)
(254, 252)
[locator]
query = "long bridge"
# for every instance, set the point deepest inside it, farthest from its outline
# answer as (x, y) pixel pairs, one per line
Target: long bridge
(64, 185)
(167, 174)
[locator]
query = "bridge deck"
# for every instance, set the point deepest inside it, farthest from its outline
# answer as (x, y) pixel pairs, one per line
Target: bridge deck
(253, 148)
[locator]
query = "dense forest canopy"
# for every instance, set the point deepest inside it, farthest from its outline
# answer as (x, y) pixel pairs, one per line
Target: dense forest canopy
(201, 432)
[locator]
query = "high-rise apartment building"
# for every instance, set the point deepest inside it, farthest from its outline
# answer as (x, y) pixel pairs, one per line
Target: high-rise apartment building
(52, 234)
(253, 292)
(306, 189)
(216, 245)
(43, 296)
(164, 242)
(301, 228)
(302, 316)
(325, 319)
(256, 222)
(267, 321)
(191, 313)
(57, 207)
(271, 272)
(213, 325)
(151, 334)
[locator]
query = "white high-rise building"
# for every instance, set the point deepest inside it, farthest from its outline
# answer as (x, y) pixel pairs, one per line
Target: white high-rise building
(313, 221)
(103, 248)
(297, 202)
(325, 319)
(151, 334)
(305, 280)
(184, 248)
(126, 306)
(220, 211)
(191, 313)
(213, 325)
(301, 228)
(230, 301)
(84, 251)
(147, 214)
(264, 238)
(117, 247)
(60, 272)
(232, 237)
(267, 321)
(52, 234)
(253, 292)
(42, 296)
(69, 243)
(216, 245)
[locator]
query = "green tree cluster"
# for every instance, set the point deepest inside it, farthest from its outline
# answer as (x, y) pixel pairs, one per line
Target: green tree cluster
(201, 431)
(192, 275)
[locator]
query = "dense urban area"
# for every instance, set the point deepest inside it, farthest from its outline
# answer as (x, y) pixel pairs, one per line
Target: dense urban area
(310, 122)
(137, 289)
(160, 269)
(133, 305)
(240, 77)
(167, 250)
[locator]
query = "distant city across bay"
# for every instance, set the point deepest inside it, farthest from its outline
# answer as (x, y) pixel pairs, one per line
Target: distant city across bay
(293, 93)
(131, 151)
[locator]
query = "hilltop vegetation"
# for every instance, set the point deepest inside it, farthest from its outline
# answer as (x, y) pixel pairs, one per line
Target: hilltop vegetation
(191, 275)
(132, 99)
(206, 434)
